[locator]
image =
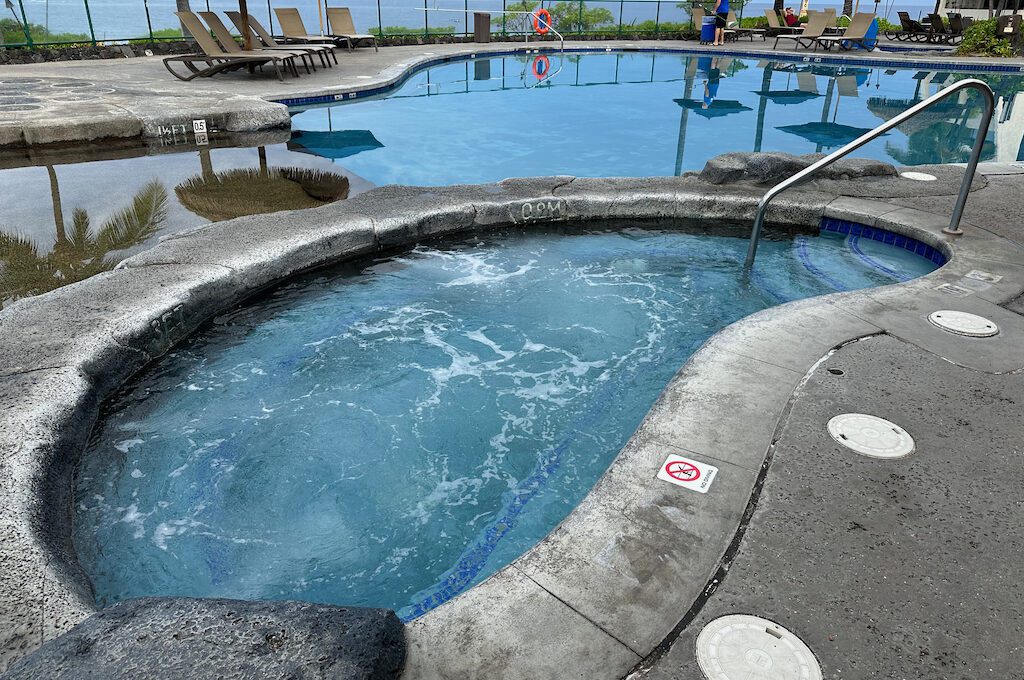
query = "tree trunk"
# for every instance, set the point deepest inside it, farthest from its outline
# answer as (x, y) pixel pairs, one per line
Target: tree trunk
(848, 7)
(58, 210)
(779, 6)
(182, 6)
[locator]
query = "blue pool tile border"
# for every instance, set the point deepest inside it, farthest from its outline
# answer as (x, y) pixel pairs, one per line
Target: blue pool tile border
(355, 94)
(920, 248)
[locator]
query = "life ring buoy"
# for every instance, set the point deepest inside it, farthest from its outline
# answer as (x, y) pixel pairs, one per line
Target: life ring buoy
(541, 66)
(542, 21)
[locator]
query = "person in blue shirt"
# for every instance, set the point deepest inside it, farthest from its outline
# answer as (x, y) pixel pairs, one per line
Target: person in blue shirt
(721, 19)
(711, 84)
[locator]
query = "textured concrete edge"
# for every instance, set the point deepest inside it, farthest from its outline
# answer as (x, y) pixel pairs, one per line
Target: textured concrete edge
(62, 353)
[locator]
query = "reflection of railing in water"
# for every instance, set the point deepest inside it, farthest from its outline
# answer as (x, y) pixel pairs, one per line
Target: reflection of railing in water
(965, 187)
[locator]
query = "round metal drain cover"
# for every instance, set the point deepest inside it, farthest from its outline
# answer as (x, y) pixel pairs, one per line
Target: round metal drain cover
(963, 323)
(871, 435)
(744, 647)
(918, 176)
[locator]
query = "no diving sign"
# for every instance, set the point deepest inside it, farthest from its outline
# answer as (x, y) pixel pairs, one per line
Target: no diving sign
(688, 473)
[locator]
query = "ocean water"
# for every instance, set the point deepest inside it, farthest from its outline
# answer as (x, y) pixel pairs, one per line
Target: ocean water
(118, 19)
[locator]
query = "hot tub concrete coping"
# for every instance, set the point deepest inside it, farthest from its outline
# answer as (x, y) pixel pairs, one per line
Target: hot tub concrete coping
(611, 582)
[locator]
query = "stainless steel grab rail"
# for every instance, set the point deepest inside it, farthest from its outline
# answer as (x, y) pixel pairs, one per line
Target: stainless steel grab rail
(965, 187)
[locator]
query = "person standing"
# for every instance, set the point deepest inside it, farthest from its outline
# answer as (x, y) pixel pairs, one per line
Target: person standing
(721, 20)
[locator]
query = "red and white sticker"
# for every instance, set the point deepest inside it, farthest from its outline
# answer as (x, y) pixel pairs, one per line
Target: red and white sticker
(688, 473)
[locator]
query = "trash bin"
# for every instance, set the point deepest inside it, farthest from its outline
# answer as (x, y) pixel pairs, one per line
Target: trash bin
(481, 27)
(707, 30)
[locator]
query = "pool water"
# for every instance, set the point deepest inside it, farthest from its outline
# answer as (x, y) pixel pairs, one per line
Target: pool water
(641, 114)
(390, 432)
(593, 115)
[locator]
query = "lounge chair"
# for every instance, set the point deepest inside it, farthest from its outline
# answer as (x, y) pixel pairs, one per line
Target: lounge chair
(697, 15)
(326, 52)
(294, 30)
(217, 60)
(854, 36)
(340, 21)
(938, 30)
(775, 25)
(734, 31)
(227, 41)
(813, 29)
(909, 30)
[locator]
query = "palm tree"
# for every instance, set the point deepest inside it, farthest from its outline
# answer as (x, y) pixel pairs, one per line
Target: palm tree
(80, 254)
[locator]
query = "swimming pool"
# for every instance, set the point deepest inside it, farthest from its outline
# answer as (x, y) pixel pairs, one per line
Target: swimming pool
(604, 114)
(390, 432)
(639, 114)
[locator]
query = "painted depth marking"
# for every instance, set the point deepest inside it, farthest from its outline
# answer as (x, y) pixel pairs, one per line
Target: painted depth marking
(687, 473)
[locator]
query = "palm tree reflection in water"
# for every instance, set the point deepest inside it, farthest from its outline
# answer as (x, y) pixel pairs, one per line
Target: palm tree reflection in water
(81, 253)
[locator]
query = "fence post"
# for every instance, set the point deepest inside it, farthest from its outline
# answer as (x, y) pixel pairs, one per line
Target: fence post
(149, 21)
(270, 18)
(24, 24)
(657, 19)
(504, 33)
(426, 20)
(579, 27)
(88, 15)
(380, 22)
(620, 17)
(465, 7)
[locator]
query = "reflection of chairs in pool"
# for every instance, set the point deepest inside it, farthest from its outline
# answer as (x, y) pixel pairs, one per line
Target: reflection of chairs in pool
(806, 82)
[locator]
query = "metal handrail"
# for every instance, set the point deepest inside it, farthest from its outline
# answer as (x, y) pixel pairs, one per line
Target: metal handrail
(965, 187)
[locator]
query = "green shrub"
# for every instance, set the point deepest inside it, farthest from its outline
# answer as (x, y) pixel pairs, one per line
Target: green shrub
(980, 40)
(413, 30)
(11, 33)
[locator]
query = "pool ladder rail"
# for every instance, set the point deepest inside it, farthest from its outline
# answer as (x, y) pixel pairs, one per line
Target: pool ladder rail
(965, 187)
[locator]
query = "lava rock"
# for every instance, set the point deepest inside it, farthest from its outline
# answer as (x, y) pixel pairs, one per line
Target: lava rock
(176, 638)
(773, 167)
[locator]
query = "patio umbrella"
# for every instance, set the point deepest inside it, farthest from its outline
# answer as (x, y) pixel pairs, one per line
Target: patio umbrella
(717, 108)
(825, 134)
(333, 144)
(786, 97)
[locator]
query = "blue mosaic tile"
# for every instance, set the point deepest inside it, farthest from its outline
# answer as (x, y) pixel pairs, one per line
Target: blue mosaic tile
(876, 234)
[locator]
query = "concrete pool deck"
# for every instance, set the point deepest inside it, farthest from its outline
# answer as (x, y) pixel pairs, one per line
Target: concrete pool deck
(83, 101)
(621, 583)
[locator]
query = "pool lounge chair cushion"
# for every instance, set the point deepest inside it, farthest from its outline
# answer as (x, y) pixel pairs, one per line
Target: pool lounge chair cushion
(268, 40)
(216, 59)
(340, 21)
(813, 30)
(854, 36)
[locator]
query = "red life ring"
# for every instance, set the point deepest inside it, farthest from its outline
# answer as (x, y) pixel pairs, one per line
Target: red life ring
(541, 66)
(542, 21)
